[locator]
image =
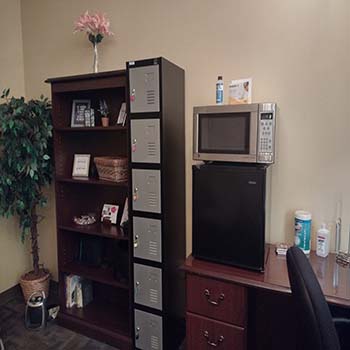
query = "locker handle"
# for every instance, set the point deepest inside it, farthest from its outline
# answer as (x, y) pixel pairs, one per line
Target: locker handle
(213, 302)
(137, 283)
(211, 343)
(137, 333)
(136, 241)
(134, 143)
(135, 196)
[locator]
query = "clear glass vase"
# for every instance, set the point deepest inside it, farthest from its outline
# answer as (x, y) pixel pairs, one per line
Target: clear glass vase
(95, 66)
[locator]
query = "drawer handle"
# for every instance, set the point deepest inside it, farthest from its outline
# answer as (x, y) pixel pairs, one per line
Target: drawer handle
(213, 302)
(211, 343)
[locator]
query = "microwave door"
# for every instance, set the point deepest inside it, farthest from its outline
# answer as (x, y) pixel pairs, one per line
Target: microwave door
(229, 136)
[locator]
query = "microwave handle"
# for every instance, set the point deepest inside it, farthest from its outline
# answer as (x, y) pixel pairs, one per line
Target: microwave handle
(195, 133)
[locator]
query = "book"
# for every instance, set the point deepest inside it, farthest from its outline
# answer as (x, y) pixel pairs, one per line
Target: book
(71, 290)
(79, 291)
(84, 293)
(122, 114)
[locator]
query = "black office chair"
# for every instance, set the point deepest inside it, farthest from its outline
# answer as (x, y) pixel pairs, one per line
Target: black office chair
(316, 328)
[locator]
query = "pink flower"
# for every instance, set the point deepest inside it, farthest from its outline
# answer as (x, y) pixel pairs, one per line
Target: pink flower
(93, 25)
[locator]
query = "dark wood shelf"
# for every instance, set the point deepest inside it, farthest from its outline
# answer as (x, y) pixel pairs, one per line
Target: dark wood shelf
(107, 321)
(97, 229)
(92, 129)
(91, 181)
(108, 315)
(98, 274)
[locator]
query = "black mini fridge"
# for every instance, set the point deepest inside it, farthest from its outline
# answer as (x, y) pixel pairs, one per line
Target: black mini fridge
(229, 214)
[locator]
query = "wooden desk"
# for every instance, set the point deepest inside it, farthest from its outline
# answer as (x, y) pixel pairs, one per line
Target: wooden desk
(256, 311)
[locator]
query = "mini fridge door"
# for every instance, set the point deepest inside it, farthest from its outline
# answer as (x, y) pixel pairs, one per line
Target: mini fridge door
(229, 214)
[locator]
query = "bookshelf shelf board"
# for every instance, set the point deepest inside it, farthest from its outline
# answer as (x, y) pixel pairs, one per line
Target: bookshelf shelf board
(92, 181)
(92, 129)
(108, 315)
(97, 229)
(98, 274)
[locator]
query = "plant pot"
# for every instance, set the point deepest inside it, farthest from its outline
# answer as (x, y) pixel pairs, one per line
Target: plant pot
(31, 283)
(105, 121)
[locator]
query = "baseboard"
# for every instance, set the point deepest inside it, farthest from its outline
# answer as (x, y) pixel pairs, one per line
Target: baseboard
(15, 292)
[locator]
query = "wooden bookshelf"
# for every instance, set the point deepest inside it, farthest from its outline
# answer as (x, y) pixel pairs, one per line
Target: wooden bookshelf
(107, 317)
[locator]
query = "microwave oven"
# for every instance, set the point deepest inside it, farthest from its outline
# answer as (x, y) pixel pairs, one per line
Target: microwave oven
(235, 133)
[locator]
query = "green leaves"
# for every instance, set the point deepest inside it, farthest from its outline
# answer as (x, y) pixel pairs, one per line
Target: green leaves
(26, 164)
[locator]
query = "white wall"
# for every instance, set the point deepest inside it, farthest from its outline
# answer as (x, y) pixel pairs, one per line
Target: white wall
(297, 52)
(14, 256)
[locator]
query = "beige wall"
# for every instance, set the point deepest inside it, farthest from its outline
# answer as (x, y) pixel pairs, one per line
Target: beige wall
(14, 256)
(297, 53)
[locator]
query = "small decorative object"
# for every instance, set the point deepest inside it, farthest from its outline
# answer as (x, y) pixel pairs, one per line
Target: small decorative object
(240, 91)
(92, 117)
(281, 248)
(112, 168)
(343, 259)
(122, 114)
(26, 169)
(83, 220)
(89, 117)
(104, 113)
(81, 166)
(78, 112)
(109, 213)
(96, 27)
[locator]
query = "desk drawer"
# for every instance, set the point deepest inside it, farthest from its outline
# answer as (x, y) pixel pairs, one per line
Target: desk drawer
(215, 299)
(205, 334)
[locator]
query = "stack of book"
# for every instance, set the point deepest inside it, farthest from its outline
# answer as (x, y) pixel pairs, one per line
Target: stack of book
(78, 291)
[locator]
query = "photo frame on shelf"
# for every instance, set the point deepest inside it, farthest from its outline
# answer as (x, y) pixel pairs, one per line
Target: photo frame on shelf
(81, 166)
(78, 112)
(109, 213)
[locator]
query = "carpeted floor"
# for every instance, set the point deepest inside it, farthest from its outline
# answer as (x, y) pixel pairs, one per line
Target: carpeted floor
(54, 337)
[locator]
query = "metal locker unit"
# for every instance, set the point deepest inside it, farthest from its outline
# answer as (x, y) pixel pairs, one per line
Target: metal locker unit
(145, 141)
(148, 286)
(146, 190)
(157, 183)
(148, 331)
(147, 238)
(144, 89)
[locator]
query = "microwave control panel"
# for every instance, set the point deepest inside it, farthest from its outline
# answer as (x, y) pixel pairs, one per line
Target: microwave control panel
(266, 141)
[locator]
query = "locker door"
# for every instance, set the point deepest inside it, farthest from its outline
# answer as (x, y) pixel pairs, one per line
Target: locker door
(147, 239)
(144, 89)
(145, 141)
(148, 286)
(148, 331)
(146, 190)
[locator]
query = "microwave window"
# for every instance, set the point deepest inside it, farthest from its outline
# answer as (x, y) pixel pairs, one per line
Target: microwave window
(224, 133)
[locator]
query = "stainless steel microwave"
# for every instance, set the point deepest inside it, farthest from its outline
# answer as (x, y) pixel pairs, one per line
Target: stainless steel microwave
(235, 133)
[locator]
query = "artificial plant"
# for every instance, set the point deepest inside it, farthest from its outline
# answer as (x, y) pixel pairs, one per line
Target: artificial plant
(25, 163)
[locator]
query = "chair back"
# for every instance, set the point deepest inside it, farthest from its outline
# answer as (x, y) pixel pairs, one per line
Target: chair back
(316, 329)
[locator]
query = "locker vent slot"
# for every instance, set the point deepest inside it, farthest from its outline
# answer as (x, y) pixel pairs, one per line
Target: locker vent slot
(152, 199)
(154, 342)
(151, 97)
(152, 148)
(153, 248)
(153, 296)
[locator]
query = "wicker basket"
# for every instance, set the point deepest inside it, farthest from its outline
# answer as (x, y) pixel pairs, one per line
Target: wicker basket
(41, 284)
(112, 168)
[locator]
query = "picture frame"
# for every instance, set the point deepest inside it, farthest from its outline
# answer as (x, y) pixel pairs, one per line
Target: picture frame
(109, 213)
(78, 112)
(81, 166)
